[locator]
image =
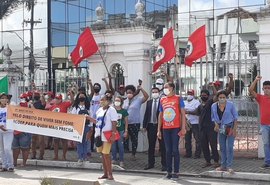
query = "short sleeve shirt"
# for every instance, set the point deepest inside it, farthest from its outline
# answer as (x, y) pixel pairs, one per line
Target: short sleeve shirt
(62, 107)
(122, 114)
(111, 115)
(133, 107)
(264, 103)
(170, 107)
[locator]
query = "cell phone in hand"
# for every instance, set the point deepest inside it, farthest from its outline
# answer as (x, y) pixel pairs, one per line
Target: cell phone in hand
(140, 82)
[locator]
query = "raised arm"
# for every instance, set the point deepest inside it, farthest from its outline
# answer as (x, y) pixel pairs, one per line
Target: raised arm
(110, 83)
(252, 87)
(145, 94)
(230, 84)
(91, 88)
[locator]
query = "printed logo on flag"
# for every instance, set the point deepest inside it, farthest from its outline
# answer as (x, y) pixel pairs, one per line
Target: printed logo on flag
(81, 51)
(189, 49)
(160, 53)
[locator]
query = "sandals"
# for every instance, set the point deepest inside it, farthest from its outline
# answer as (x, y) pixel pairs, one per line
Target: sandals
(103, 177)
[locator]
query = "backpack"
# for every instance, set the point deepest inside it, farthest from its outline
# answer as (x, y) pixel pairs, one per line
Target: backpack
(83, 112)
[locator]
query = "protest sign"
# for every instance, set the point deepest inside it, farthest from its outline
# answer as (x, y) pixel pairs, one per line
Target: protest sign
(41, 122)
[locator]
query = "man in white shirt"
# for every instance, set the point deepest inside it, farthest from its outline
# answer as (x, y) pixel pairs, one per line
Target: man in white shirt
(191, 105)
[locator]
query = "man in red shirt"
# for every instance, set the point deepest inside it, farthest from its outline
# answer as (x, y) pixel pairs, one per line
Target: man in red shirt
(61, 106)
(264, 104)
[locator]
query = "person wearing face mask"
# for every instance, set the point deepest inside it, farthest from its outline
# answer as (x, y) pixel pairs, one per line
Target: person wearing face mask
(133, 105)
(122, 127)
(264, 104)
(192, 104)
(6, 136)
(106, 121)
(150, 123)
(61, 106)
(207, 134)
(225, 116)
(81, 106)
(39, 103)
(172, 118)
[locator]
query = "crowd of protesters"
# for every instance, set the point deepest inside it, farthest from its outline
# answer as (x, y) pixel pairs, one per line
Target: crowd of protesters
(114, 117)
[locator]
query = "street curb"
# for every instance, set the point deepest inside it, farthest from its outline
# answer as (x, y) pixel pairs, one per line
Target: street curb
(237, 175)
(98, 166)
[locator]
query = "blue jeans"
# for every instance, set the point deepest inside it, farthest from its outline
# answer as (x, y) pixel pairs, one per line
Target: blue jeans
(82, 147)
(226, 148)
(120, 146)
(171, 140)
(265, 130)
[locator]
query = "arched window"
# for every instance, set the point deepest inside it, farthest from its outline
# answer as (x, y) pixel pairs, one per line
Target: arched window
(118, 73)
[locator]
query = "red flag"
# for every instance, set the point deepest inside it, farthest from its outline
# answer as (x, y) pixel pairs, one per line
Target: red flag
(196, 47)
(165, 51)
(86, 46)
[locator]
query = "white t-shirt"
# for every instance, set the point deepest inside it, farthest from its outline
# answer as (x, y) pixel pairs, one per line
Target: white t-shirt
(95, 104)
(3, 118)
(191, 106)
(110, 116)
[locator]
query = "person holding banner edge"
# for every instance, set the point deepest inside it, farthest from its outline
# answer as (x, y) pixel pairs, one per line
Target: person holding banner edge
(61, 106)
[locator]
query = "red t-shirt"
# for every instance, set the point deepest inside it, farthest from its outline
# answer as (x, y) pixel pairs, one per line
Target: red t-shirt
(264, 103)
(62, 107)
(170, 107)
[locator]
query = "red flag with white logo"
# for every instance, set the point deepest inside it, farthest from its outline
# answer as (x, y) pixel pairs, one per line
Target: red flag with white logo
(86, 47)
(196, 47)
(165, 51)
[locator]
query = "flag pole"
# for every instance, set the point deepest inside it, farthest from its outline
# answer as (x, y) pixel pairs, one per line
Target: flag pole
(103, 61)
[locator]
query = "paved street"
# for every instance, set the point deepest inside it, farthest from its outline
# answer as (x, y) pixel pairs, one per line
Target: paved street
(33, 176)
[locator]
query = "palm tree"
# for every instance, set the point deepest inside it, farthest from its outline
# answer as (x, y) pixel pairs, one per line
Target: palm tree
(6, 7)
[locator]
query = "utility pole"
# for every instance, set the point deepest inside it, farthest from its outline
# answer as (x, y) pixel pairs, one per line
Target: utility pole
(32, 22)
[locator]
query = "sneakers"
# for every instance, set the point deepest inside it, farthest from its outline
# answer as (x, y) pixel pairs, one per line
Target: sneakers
(121, 164)
(80, 161)
(265, 166)
(168, 176)
(174, 176)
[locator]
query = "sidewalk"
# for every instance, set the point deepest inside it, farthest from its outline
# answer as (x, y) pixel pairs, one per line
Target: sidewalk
(245, 168)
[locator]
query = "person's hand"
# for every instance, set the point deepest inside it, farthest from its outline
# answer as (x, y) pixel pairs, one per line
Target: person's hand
(125, 134)
(112, 138)
(88, 136)
(159, 135)
(103, 79)
(3, 128)
(216, 128)
(233, 132)
(258, 78)
(230, 75)
(89, 81)
(182, 132)
(109, 75)
(139, 87)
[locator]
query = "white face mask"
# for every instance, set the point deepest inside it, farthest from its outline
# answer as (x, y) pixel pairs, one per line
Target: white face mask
(159, 87)
(155, 95)
(166, 91)
(22, 100)
(190, 97)
(117, 103)
(46, 97)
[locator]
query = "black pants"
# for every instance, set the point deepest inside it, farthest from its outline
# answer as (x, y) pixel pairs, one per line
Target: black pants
(152, 138)
(209, 136)
(188, 141)
(133, 130)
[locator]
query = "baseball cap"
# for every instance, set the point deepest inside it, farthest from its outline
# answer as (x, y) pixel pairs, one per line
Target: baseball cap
(217, 83)
(191, 91)
(23, 95)
(160, 81)
(59, 96)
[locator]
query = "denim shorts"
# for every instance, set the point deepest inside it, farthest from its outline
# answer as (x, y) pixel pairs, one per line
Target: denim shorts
(22, 140)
